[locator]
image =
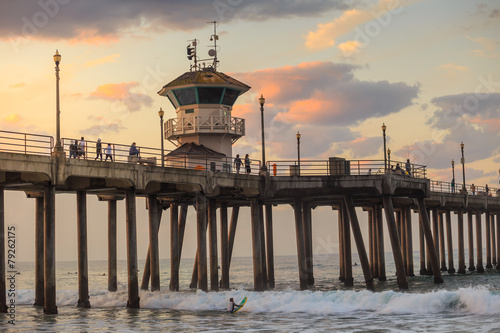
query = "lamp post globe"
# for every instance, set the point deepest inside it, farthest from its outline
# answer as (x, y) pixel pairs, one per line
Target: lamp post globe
(161, 113)
(262, 100)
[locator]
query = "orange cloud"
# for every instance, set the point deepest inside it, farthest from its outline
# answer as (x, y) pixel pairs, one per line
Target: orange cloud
(17, 85)
(92, 36)
(349, 47)
(113, 90)
(13, 119)
(111, 58)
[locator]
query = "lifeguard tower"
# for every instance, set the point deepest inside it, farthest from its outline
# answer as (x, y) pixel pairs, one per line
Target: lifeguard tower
(203, 99)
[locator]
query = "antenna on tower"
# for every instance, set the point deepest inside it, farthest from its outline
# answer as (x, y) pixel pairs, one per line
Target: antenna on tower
(191, 53)
(213, 52)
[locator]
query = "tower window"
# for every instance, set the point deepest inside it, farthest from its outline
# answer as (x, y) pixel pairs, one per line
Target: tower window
(209, 95)
(230, 96)
(186, 96)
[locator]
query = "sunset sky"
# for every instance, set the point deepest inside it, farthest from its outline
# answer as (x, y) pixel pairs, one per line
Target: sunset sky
(333, 70)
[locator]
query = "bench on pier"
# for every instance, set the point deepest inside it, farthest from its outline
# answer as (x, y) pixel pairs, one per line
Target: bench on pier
(142, 160)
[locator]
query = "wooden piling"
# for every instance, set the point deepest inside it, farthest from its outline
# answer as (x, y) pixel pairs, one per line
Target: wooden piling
(493, 242)
(154, 251)
(470, 236)
(212, 246)
(201, 233)
(258, 278)
(424, 220)
(404, 236)
(182, 227)
(371, 242)
(147, 265)
(423, 270)
(461, 247)
(498, 239)
(348, 278)
(112, 256)
(429, 262)
(435, 231)
(3, 296)
(409, 242)
(380, 245)
(38, 253)
(299, 235)
(262, 235)
(83, 272)
(270, 246)
(442, 252)
(358, 238)
(306, 216)
(449, 243)
(479, 243)
(488, 239)
(341, 244)
(131, 229)
(49, 253)
(396, 248)
(232, 231)
(224, 247)
(174, 247)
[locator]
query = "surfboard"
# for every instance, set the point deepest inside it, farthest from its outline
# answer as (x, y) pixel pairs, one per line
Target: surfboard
(239, 306)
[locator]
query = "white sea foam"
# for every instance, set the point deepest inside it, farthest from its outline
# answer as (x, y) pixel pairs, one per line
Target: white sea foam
(473, 300)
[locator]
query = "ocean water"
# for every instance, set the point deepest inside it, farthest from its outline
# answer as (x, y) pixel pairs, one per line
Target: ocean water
(469, 303)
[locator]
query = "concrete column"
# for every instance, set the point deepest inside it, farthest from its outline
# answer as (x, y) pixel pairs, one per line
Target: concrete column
(232, 231)
(131, 229)
(461, 247)
(212, 246)
(493, 242)
(174, 247)
(3, 296)
(341, 245)
(423, 270)
(299, 231)
(449, 242)
(358, 238)
(270, 245)
(49, 253)
(409, 242)
(346, 229)
(404, 237)
(258, 278)
(201, 233)
(263, 259)
(38, 252)
(429, 261)
(306, 216)
(224, 247)
(380, 242)
(424, 220)
(371, 242)
(442, 252)
(471, 241)
(488, 239)
(435, 230)
(154, 251)
(479, 242)
(83, 271)
(182, 227)
(498, 239)
(396, 248)
(147, 265)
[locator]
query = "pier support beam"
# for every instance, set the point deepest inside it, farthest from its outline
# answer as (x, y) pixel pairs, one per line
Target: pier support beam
(154, 250)
(263, 245)
(258, 273)
(461, 247)
(380, 244)
(470, 235)
(358, 238)
(147, 265)
(341, 244)
(39, 294)
(224, 247)
(232, 231)
(182, 227)
(371, 242)
(488, 239)
(112, 261)
(131, 229)
(449, 243)
(346, 235)
(306, 216)
(423, 270)
(498, 239)
(212, 234)
(3, 296)
(49, 253)
(479, 243)
(493, 242)
(435, 230)
(442, 252)
(201, 233)
(424, 220)
(83, 271)
(299, 233)
(270, 246)
(174, 247)
(409, 242)
(396, 248)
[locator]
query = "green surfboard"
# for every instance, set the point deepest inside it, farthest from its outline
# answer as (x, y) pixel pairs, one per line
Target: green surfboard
(239, 306)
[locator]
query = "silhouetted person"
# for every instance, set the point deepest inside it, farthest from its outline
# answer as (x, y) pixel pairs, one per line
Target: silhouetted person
(98, 149)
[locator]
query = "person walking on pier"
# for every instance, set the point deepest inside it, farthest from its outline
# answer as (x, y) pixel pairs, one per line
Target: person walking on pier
(487, 190)
(473, 189)
(247, 164)
(98, 147)
(81, 148)
(237, 163)
(73, 149)
(109, 152)
(408, 167)
(453, 185)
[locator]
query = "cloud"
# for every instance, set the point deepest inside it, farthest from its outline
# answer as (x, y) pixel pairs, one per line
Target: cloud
(105, 21)
(495, 13)
(121, 92)
(350, 47)
(17, 85)
(489, 47)
(103, 126)
(93, 63)
(453, 69)
(326, 33)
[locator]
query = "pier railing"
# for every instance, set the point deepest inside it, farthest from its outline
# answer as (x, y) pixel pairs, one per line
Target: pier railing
(26, 143)
(479, 190)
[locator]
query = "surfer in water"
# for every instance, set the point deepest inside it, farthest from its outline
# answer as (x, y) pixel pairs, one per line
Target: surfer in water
(231, 305)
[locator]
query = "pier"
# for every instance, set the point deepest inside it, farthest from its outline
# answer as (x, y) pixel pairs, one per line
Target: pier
(29, 163)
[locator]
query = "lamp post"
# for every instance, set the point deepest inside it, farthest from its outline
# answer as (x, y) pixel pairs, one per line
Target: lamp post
(262, 100)
(453, 173)
(161, 113)
(389, 157)
(298, 149)
(463, 166)
(58, 147)
(385, 156)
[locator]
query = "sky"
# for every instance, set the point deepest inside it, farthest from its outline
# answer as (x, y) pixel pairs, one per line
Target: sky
(335, 70)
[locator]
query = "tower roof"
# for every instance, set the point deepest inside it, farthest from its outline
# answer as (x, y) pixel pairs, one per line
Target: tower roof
(204, 78)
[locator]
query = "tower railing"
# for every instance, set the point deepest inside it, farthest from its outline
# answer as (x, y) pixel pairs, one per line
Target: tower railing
(204, 124)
